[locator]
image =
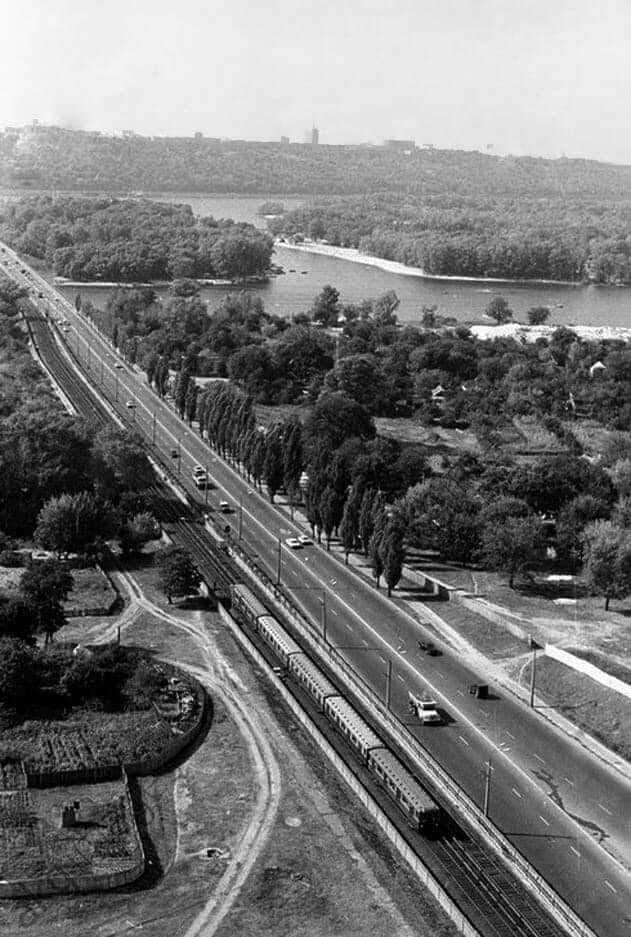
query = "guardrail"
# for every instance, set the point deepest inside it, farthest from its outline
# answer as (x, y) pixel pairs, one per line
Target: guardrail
(463, 805)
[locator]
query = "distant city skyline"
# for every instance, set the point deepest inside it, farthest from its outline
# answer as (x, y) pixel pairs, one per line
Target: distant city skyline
(532, 77)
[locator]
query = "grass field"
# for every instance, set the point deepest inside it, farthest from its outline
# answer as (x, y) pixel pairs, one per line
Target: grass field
(92, 590)
(603, 713)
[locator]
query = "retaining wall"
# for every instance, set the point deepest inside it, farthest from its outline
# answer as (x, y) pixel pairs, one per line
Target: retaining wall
(432, 884)
(590, 670)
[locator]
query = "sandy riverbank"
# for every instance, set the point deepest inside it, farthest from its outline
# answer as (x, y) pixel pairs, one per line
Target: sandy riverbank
(531, 333)
(394, 266)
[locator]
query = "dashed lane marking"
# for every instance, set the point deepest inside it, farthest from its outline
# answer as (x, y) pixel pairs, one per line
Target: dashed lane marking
(609, 885)
(463, 740)
(602, 807)
(574, 850)
(516, 792)
(538, 757)
(543, 820)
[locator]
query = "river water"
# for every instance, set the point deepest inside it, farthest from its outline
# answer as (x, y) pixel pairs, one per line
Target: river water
(294, 291)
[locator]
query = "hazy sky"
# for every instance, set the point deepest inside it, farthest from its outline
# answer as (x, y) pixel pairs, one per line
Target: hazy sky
(529, 76)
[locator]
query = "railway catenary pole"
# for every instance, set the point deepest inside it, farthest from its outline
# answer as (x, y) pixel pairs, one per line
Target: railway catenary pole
(206, 491)
(389, 683)
(487, 787)
(278, 560)
(153, 429)
(241, 518)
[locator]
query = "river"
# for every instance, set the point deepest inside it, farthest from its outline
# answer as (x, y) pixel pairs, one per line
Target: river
(294, 291)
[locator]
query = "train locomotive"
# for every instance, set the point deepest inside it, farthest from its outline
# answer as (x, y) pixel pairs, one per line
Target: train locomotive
(421, 811)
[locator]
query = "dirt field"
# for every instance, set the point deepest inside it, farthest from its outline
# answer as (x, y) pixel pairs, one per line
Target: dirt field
(324, 869)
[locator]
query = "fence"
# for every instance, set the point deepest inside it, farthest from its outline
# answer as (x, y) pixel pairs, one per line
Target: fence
(64, 883)
(460, 802)
(590, 670)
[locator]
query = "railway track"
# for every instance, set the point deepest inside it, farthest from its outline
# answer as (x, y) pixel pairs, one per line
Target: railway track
(497, 904)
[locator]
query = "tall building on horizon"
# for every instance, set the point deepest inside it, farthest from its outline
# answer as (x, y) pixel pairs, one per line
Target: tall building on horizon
(315, 136)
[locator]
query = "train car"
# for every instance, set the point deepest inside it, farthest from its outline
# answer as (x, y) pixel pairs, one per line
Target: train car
(351, 725)
(275, 635)
(422, 811)
(244, 601)
(311, 678)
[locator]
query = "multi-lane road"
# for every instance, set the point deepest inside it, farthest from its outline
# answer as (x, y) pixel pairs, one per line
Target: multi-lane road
(569, 814)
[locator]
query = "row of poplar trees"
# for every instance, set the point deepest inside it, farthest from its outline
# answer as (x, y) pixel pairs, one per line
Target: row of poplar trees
(276, 457)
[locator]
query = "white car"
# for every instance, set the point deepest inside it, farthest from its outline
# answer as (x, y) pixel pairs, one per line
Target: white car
(130, 405)
(294, 543)
(305, 541)
(199, 470)
(224, 507)
(426, 709)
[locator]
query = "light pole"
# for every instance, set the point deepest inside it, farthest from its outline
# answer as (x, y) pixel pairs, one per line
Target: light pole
(487, 786)
(241, 517)
(323, 616)
(533, 672)
(116, 387)
(278, 560)
(179, 457)
(153, 429)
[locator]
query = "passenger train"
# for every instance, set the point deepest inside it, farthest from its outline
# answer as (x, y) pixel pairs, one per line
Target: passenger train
(421, 811)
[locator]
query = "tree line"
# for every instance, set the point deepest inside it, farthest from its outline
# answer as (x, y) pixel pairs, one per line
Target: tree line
(132, 240)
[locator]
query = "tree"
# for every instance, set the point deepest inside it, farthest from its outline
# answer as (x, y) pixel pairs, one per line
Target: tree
(349, 525)
(45, 586)
(292, 459)
(74, 522)
(607, 566)
(178, 573)
(393, 553)
(17, 619)
(335, 418)
(512, 545)
(137, 531)
(537, 315)
(330, 510)
(499, 310)
(18, 672)
(273, 461)
(366, 521)
(621, 477)
(325, 308)
(375, 544)
(120, 463)
(572, 519)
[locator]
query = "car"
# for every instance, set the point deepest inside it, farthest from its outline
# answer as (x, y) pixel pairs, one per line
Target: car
(199, 470)
(224, 507)
(429, 648)
(130, 405)
(118, 366)
(305, 541)
(294, 543)
(175, 453)
(426, 709)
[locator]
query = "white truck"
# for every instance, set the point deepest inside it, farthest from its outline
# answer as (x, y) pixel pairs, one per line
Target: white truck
(426, 709)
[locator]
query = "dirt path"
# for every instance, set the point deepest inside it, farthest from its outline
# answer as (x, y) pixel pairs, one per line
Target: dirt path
(216, 674)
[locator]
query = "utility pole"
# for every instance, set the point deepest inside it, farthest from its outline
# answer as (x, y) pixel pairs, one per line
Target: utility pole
(206, 488)
(116, 387)
(153, 429)
(241, 517)
(487, 787)
(101, 370)
(389, 683)
(533, 672)
(323, 615)
(278, 561)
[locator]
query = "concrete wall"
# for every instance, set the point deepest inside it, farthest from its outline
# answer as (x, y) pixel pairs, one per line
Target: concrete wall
(461, 921)
(590, 670)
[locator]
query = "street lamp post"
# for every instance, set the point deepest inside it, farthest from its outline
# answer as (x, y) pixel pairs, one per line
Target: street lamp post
(533, 672)
(179, 456)
(241, 517)
(487, 786)
(323, 616)
(278, 560)
(153, 429)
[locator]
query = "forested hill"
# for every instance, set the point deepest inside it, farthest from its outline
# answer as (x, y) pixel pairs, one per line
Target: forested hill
(43, 157)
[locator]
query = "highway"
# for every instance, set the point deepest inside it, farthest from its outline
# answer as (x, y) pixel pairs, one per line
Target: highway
(553, 800)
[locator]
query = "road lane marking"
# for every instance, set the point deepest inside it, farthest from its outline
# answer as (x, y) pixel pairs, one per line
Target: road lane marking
(459, 692)
(364, 642)
(602, 807)
(516, 792)
(333, 612)
(382, 659)
(133, 392)
(539, 758)
(571, 783)
(463, 740)
(543, 820)
(510, 735)
(399, 677)
(576, 851)
(346, 625)
(609, 885)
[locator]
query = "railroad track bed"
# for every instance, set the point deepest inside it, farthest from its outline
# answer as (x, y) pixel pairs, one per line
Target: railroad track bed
(479, 883)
